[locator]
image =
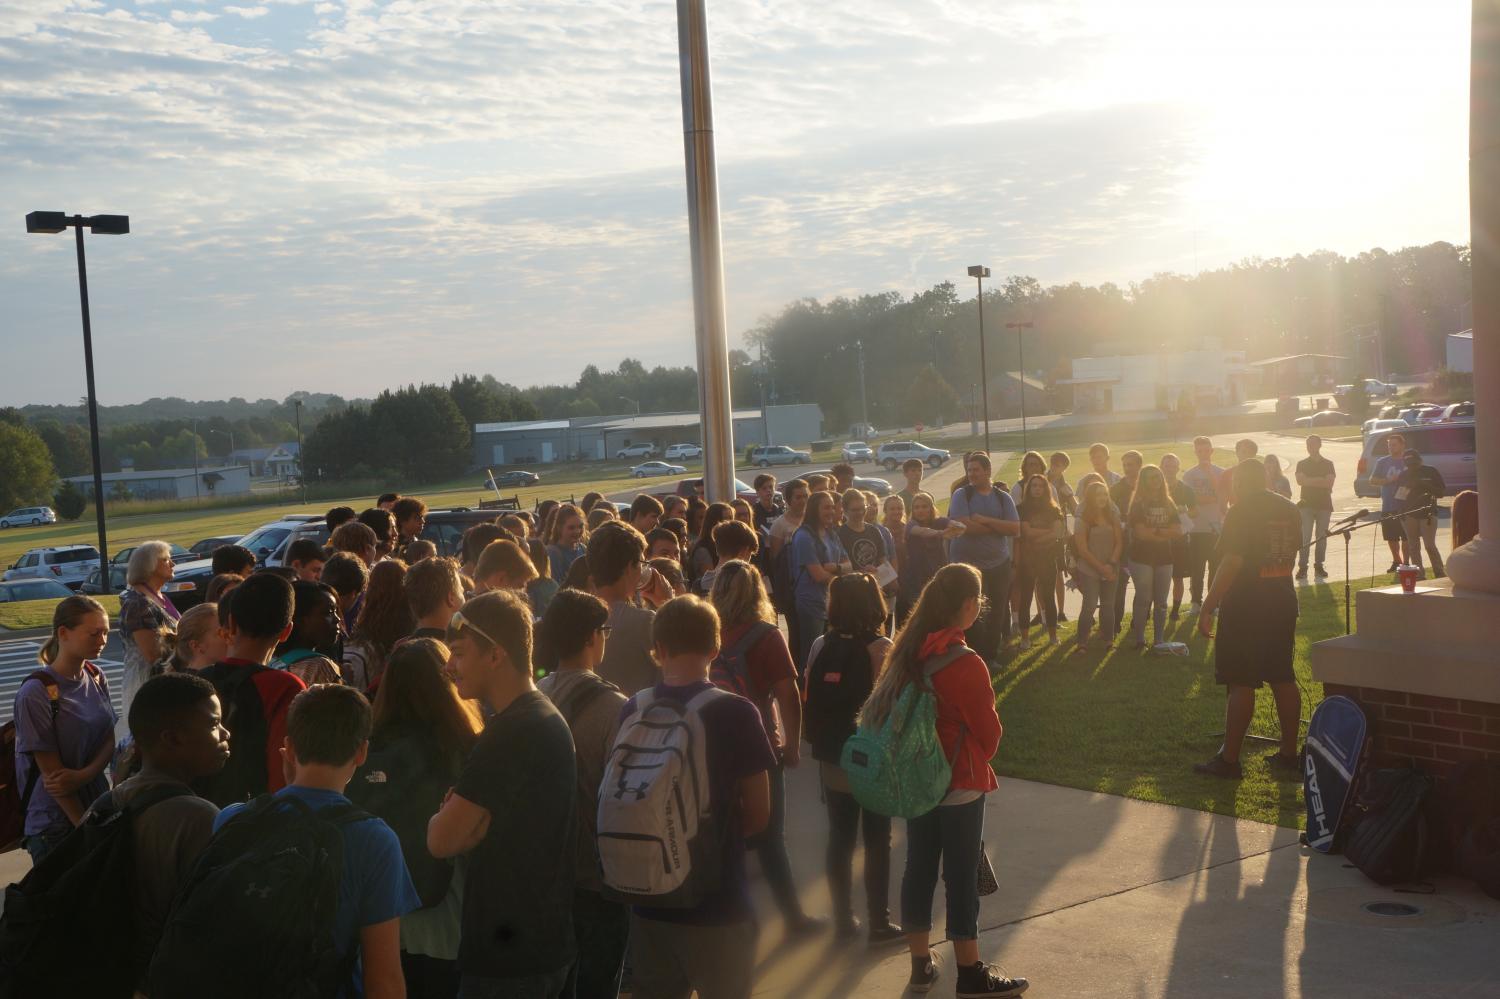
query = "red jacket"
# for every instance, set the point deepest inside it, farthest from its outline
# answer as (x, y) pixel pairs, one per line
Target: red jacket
(966, 701)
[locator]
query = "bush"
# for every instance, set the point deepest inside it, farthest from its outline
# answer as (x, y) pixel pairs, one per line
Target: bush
(70, 502)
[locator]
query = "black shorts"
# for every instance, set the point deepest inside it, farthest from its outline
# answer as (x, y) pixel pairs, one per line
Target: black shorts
(1392, 530)
(1255, 636)
(1182, 557)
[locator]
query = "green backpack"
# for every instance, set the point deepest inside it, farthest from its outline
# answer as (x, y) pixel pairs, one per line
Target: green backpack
(899, 768)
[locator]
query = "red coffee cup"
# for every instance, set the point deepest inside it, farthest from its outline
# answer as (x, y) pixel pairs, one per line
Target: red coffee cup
(1408, 574)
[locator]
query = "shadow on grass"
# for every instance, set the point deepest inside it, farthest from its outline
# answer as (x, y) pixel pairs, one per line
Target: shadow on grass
(1123, 722)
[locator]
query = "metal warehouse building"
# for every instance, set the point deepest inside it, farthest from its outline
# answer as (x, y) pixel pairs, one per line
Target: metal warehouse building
(597, 438)
(172, 483)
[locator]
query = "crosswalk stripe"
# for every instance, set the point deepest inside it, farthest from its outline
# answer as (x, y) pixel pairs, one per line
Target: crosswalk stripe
(18, 661)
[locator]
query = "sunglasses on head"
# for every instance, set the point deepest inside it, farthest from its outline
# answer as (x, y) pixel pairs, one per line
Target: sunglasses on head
(457, 623)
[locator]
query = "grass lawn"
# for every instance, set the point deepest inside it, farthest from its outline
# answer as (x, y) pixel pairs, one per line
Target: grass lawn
(1128, 724)
(38, 613)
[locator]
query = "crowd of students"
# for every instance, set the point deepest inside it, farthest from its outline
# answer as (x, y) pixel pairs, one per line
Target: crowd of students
(471, 731)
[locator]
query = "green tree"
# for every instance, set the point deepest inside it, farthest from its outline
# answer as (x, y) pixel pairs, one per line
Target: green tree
(69, 444)
(340, 444)
(120, 491)
(930, 397)
(422, 432)
(70, 502)
(26, 470)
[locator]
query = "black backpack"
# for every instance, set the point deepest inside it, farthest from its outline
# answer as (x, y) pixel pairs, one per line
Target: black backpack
(256, 916)
(1391, 835)
(14, 800)
(87, 880)
(838, 683)
(404, 785)
(244, 776)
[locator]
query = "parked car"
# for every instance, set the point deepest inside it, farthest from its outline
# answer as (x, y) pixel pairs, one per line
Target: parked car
(1370, 426)
(856, 451)
(445, 528)
(649, 468)
(33, 589)
(689, 488)
(67, 564)
(683, 452)
(1457, 411)
(1424, 412)
(29, 516)
(1324, 418)
(878, 486)
(119, 562)
(1377, 389)
(637, 451)
(514, 477)
(778, 454)
(269, 541)
(207, 546)
(1447, 447)
(862, 431)
(893, 454)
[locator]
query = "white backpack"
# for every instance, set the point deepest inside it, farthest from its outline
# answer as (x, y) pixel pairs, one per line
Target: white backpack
(659, 843)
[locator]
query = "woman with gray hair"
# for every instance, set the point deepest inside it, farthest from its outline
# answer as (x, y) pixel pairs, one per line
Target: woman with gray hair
(147, 617)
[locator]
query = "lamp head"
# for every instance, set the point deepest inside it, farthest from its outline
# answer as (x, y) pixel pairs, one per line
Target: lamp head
(46, 221)
(109, 225)
(979, 271)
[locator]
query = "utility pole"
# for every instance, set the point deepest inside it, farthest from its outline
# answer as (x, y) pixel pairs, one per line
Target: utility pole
(301, 478)
(765, 417)
(864, 409)
(979, 272)
(1021, 329)
(197, 479)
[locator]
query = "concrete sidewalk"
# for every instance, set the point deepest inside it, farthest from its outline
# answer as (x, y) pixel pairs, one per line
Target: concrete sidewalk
(1105, 896)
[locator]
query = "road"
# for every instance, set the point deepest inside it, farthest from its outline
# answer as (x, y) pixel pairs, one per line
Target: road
(18, 661)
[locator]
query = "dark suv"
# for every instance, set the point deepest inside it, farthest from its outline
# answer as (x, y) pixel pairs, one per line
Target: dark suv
(445, 528)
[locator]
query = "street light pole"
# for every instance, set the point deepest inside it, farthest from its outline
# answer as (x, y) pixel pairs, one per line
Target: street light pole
(104, 225)
(633, 403)
(1021, 329)
(197, 488)
(864, 410)
(301, 477)
(979, 272)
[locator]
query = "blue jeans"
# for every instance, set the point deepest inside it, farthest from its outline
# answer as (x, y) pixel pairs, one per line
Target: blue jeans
(603, 931)
(1098, 594)
(42, 843)
(810, 625)
(954, 834)
(547, 986)
(1153, 585)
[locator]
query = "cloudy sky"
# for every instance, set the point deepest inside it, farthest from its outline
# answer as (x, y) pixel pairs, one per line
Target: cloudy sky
(348, 194)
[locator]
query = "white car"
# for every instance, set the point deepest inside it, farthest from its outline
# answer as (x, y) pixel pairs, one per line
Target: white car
(637, 451)
(67, 564)
(893, 454)
(269, 542)
(856, 451)
(656, 468)
(682, 452)
(30, 516)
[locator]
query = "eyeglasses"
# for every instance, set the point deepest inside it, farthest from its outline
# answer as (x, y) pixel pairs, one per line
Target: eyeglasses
(605, 629)
(457, 623)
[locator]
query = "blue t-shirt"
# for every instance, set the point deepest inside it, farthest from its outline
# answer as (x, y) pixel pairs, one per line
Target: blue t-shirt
(810, 594)
(561, 559)
(376, 886)
(85, 719)
(983, 551)
(737, 748)
(1389, 467)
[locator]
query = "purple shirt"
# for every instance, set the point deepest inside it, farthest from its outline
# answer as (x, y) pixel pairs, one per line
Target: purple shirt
(737, 748)
(85, 720)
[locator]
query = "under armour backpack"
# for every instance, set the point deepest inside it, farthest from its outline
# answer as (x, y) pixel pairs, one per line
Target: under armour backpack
(659, 842)
(731, 668)
(839, 681)
(898, 768)
(255, 917)
(88, 880)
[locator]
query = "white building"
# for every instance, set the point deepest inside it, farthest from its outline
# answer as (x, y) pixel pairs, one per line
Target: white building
(171, 483)
(1137, 383)
(1461, 351)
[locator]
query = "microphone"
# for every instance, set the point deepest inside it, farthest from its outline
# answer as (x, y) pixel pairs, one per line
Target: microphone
(1352, 518)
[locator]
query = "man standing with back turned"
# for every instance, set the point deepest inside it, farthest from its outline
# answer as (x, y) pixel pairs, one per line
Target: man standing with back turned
(1257, 604)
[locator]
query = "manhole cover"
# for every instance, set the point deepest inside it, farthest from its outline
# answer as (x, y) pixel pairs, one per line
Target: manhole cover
(1391, 909)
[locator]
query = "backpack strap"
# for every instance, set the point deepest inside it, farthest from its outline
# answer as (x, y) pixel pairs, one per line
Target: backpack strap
(54, 704)
(584, 693)
(945, 659)
(748, 640)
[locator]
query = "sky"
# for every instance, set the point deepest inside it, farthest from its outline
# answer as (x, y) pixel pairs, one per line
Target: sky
(347, 195)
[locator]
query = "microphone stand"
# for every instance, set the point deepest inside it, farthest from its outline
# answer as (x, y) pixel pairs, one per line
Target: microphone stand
(1348, 526)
